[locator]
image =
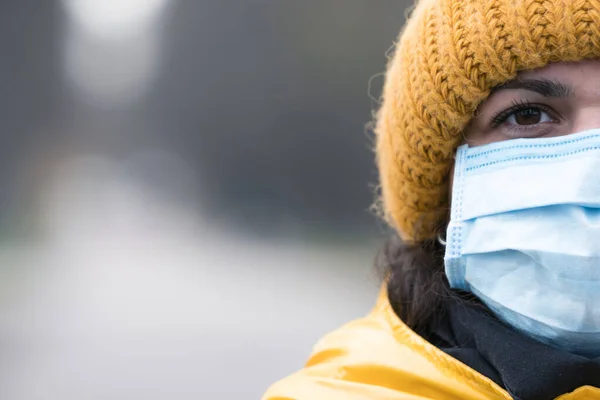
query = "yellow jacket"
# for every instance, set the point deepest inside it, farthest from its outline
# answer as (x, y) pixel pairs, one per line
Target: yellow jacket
(379, 358)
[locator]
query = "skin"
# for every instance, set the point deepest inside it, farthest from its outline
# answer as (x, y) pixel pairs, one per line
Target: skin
(559, 99)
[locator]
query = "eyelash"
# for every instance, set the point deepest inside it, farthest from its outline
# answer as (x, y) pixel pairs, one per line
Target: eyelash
(519, 105)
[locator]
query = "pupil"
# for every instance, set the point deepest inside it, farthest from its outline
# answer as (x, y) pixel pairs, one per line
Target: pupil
(529, 116)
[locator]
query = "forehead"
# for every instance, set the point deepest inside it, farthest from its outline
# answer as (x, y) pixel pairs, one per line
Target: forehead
(582, 76)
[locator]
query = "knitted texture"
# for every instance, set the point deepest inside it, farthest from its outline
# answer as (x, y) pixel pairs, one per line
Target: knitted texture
(449, 56)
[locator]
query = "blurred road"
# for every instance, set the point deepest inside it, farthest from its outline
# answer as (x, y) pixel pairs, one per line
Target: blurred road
(128, 297)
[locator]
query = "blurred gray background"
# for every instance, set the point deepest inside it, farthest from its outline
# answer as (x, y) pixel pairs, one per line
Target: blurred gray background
(185, 191)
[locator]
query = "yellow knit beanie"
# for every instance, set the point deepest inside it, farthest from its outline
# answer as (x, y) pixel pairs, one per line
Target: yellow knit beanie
(449, 56)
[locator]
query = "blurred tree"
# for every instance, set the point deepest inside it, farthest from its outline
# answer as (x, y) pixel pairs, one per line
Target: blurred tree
(270, 99)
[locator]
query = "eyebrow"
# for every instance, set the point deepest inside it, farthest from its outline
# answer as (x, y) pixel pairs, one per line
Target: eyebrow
(545, 87)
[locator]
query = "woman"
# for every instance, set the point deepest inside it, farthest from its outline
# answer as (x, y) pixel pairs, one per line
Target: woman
(488, 146)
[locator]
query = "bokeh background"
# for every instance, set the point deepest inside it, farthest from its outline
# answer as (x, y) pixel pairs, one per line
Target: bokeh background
(185, 191)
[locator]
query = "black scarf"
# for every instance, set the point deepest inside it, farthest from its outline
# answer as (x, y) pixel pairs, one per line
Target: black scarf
(526, 368)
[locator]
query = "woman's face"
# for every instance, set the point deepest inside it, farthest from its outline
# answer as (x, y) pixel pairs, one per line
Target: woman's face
(559, 99)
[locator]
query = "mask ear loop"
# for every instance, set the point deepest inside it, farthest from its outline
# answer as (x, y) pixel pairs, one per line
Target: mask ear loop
(440, 240)
(439, 236)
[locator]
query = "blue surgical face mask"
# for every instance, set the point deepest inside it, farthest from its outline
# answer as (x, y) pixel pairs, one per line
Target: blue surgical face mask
(524, 235)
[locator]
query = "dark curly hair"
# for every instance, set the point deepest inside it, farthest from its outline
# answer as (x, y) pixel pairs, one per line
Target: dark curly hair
(416, 281)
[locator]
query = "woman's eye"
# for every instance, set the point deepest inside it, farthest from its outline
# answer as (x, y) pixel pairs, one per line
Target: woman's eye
(524, 119)
(528, 116)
